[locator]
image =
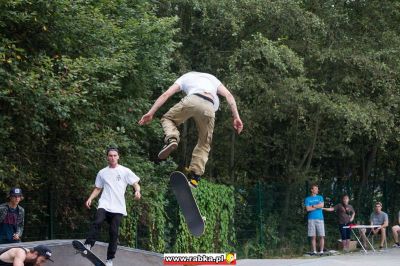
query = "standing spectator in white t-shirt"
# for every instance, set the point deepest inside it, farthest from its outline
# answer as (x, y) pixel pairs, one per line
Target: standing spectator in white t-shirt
(112, 182)
(200, 104)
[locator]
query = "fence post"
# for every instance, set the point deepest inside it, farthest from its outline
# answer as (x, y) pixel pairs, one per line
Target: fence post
(260, 214)
(136, 238)
(51, 214)
(232, 159)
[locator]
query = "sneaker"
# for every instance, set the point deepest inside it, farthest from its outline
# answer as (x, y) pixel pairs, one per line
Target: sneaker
(396, 245)
(88, 246)
(313, 253)
(109, 263)
(193, 180)
(169, 147)
(321, 253)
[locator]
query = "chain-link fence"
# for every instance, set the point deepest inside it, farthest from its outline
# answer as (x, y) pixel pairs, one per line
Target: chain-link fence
(267, 222)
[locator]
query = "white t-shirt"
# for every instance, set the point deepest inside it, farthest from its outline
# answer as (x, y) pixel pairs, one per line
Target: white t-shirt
(114, 181)
(198, 82)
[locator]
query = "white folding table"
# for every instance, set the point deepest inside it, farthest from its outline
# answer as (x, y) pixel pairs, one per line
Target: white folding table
(352, 227)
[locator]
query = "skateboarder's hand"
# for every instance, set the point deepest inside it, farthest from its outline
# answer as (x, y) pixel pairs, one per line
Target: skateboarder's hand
(16, 236)
(88, 203)
(137, 195)
(146, 119)
(238, 125)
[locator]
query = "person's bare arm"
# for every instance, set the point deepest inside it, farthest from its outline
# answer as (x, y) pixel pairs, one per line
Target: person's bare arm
(19, 258)
(328, 209)
(385, 224)
(237, 122)
(352, 216)
(315, 207)
(138, 195)
(96, 191)
(158, 103)
(310, 208)
(15, 255)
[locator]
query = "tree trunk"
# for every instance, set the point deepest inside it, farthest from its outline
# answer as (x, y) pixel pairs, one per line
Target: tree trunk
(286, 207)
(308, 155)
(313, 143)
(293, 179)
(367, 162)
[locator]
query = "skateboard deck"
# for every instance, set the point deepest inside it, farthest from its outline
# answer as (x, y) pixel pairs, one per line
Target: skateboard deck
(187, 203)
(80, 247)
(326, 253)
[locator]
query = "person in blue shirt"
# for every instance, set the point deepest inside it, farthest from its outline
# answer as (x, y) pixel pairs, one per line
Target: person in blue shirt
(316, 227)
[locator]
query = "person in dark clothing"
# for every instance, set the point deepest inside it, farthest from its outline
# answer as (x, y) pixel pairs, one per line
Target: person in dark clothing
(12, 218)
(346, 214)
(19, 256)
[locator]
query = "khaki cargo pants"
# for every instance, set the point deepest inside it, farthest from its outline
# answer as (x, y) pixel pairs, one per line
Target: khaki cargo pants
(203, 114)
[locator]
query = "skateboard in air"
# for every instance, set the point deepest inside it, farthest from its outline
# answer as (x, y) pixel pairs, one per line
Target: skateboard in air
(80, 247)
(187, 203)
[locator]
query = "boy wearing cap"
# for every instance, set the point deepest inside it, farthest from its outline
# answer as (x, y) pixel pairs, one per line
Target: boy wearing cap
(112, 182)
(201, 103)
(12, 218)
(19, 256)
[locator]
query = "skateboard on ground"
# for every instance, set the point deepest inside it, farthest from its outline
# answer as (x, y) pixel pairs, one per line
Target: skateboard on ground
(326, 253)
(80, 247)
(187, 203)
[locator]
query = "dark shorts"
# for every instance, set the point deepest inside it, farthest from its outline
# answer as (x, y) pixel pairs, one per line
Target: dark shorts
(345, 233)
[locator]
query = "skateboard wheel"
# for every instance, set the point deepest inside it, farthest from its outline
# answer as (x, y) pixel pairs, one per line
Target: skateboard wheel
(85, 252)
(204, 218)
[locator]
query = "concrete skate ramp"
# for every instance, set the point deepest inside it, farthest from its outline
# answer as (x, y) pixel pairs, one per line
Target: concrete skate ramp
(389, 257)
(64, 254)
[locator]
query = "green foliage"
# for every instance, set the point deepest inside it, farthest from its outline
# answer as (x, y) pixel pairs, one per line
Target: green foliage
(316, 82)
(150, 213)
(75, 77)
(216, 203)
(317, 87)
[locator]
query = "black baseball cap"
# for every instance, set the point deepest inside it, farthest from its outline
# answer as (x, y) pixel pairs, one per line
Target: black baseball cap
(44, 251)
(15, 191)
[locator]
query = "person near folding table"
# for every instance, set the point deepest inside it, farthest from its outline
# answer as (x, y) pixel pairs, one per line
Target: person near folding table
(378, 217)
(345, 213)
(396, 232)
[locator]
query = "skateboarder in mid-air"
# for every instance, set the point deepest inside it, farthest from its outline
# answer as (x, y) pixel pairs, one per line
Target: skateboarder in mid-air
(200, 104)
(112, 180)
